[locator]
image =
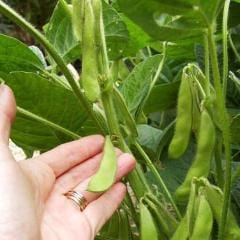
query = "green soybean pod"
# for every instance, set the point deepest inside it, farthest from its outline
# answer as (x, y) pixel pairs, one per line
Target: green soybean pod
(106, 174)
(183, 126)
(148, 228)
(89, 78)
(202, 162)
(204, 220)
(78, 18)
(214, 196)
(182, 231)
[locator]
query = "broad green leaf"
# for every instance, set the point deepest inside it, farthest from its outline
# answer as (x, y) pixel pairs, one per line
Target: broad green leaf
(171, 20)
(174, 172)
(138, 39)
(117, 35)
(163, 97)
(149, 137)
(136, 86)
(59, 32)
(16, 56)
(49, 101)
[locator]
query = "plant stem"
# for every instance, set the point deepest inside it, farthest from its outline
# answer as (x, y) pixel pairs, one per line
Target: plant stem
(218, 162)
(222, 115)
(48, 123)
(225, 44)
(21, 22)
(157, 176)
(207, 64)
(234, 48)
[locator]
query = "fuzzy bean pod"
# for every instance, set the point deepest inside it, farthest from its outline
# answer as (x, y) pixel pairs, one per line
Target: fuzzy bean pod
(202, 162)
(89, 78)
(215, 198)
(204, 220)
(148, 228)
(183, 126)
(106, 174)
(78, 17)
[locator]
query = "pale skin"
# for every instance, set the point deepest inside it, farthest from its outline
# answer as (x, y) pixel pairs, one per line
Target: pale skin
(32, 201)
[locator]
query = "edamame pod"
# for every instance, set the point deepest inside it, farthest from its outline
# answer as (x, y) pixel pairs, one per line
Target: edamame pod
(105, 176)
(182, 230)
(183, 127)
(214, 196)
(204, 220)
(202, 162)
(78, 17)
(89, 78)
(148, 228)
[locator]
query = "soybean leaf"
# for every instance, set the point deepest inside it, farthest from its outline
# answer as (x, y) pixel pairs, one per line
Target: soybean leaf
(174, 172)
(162, 97)
(171, 20)
(117, 35)
(138, 39)
(149, 137)
(16, 56)
(45, 100)
(59, 32)
(137, 84)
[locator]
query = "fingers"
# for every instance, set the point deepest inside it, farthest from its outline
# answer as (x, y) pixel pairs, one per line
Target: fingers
(66, 156)
(99, 211)
(7, 113)
(126, 164)
(73, 177)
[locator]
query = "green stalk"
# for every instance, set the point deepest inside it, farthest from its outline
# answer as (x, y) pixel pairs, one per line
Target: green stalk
(207, 64)
(218, 150)
(225, 128)
(225, 44)
(47, 123)
(234, 48)
(157, 177)
(218, 162)
(21, 22)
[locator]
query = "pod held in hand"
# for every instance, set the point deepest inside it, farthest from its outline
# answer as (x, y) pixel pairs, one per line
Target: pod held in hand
(105, 176)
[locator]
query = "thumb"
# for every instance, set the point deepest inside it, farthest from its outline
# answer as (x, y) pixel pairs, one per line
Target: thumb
(7, 112)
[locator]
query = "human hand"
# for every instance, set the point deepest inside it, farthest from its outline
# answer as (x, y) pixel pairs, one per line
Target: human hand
(33, 205)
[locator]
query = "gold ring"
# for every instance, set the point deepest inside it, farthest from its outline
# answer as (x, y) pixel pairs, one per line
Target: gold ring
(78, 199)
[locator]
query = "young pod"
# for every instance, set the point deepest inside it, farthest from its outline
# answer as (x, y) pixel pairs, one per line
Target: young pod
(204, 220)
(214, 196)
(106, 174)
(78, 18)
(202, 162)
(183, 126)
(89, 78)
(148, 228)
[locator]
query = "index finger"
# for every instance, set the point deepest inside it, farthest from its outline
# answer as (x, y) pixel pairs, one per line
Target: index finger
(68, 155)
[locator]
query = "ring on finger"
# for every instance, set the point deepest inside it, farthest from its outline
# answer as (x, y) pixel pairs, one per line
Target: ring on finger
(77, 198)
